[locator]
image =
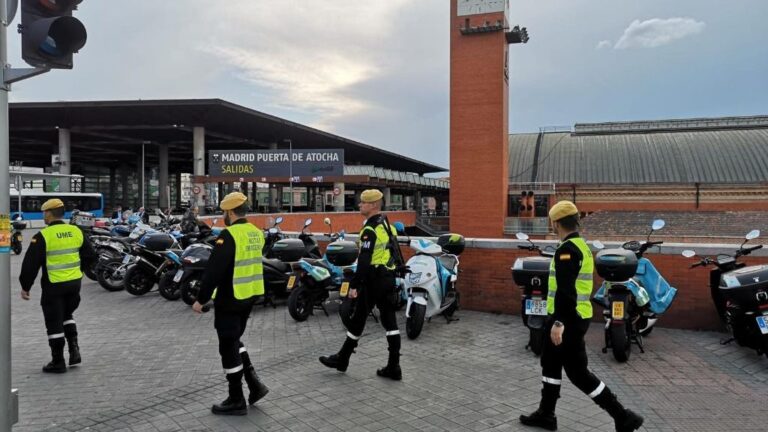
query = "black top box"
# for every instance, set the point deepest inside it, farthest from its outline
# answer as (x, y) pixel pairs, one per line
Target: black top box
(289, 250)
(342, 252)
(616, 265)
(452, 243)
(528, 268)
(158, 241)
(741, 286)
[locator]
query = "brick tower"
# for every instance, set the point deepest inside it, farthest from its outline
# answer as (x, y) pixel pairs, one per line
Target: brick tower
(480, 39)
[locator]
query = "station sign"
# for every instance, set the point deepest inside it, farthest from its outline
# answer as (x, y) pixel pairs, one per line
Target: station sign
(276, 163)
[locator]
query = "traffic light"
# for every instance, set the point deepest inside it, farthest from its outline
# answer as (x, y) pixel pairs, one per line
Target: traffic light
(49, 33)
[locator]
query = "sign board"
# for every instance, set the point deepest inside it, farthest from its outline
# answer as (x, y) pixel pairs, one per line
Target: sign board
(276, 163)
(336, 191)
(5, 233)
(196, 190)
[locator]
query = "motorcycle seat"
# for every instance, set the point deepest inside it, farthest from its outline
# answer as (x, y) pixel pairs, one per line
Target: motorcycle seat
(277, 265)
(318, 262)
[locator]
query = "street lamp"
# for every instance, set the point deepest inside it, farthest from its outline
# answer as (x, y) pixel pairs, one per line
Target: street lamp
(290, 174)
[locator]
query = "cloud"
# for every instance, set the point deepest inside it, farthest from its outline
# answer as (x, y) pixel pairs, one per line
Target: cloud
(657, 32)
(603, 44)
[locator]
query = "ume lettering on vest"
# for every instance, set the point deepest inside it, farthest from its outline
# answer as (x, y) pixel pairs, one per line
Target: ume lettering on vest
(64, 235)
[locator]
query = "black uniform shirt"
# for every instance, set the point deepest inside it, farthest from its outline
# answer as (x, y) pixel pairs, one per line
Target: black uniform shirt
(568, 259)
(219, 273)
(34, 259)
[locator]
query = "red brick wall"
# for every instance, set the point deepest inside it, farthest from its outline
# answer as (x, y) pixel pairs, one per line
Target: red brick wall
(478, 128)
(591, 206)
(486, 285)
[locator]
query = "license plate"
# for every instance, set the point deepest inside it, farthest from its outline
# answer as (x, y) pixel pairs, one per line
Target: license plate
(535, 307)
(344, 290)
(291, 282)
(618, 310)
(762, 322)
(178, 275)
(126, 259)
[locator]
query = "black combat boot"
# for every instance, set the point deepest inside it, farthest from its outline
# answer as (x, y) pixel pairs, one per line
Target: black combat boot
(57, 364)
(625, 420)
(235, 403)
(256, 388)
(544, 417)
(392, 369)
(340, 361)
(74, 351)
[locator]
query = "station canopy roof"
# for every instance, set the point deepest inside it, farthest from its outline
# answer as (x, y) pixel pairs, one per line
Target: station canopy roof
(112, 132)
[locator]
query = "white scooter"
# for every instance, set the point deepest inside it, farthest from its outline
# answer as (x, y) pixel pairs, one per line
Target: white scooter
(431, 283)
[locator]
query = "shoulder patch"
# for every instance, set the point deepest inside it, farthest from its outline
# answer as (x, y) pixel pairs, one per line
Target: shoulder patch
(34, 240)
(220, 242)
(565, 257)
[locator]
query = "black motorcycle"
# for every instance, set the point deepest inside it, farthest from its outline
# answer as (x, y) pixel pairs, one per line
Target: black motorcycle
(16, 237)
(740, 295)
(272, 235)
(194, 260)
(531, 274)
(153, 254)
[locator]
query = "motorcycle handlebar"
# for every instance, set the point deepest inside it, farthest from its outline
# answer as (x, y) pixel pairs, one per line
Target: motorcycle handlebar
(749, 250)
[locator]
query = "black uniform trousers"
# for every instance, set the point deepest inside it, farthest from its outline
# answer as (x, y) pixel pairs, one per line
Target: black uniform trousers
(230, 326)
(570, 355)
(376, 293)
(59, 303)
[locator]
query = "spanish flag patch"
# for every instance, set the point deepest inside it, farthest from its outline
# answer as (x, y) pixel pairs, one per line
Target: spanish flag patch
(565, 257)
(220, 241)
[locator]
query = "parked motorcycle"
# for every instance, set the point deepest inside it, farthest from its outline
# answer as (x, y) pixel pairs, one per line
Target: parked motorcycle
(531, 274)
(16, 237)
(314, 279)
(153, 254)
(633, 295)
(431, 284)
(740, 295)
(272, 235)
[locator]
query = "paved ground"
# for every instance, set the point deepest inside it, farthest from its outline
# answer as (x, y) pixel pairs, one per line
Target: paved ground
(152, 365)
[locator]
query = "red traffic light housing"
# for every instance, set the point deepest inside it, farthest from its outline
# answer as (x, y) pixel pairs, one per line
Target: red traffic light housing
(50, 35)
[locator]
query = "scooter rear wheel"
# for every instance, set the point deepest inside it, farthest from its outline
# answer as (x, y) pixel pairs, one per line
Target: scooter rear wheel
(110, 278)
(137, 281)
(620, 342)
(169, 289)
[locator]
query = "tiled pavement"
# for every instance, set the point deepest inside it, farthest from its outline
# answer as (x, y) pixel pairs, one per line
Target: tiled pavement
(152, 365)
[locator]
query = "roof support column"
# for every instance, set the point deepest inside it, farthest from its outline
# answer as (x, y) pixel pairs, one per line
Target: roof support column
(165, 198)
(274, 202)
(140, 179)
(338, 200)
(387, 197)
(198, 165)
(417, 202)
(124, 183)
(112, 188)
(65, 158)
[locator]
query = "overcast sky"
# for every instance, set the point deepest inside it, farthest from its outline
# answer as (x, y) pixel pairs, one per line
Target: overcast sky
(377, 70)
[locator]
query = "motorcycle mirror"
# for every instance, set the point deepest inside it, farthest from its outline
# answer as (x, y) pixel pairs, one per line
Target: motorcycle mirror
(522, 236)
(327, 221)
(658, 224)
(598, 245)
(279, 220)
(215, 220)
(307, 222)
(689, 253)
(273, 230)
(752, 235)
(400, 227)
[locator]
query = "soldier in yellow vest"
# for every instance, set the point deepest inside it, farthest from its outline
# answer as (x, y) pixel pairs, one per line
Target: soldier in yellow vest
(60, 250)
(373, 285)
(234, 279)
(569, 311)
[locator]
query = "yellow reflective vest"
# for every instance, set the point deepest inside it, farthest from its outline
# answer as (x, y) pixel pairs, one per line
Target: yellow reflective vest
(583, 281)
(381, 252)
(248, 275)
(62, 252)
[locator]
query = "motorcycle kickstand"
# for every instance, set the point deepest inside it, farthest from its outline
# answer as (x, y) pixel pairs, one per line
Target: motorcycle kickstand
(727, 341)
(450, 319)
(322, 306)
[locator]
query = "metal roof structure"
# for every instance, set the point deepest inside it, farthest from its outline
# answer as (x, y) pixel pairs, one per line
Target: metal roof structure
(105, 132)
(731, 150)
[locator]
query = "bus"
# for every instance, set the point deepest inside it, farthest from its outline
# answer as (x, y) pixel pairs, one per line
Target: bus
(32, 200)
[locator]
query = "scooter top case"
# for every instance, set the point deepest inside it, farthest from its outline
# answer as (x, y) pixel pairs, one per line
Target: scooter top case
(747, 286)
(616, 265)
(531, 271)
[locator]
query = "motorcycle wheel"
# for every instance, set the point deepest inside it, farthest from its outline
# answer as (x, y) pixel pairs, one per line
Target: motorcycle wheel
(137, 281)
(189, 290)
(169, 289)
(89, 270)
(536, 341)
(415, 322)
(620, 342)
(300, 304)
(450, 310)
(109, 277)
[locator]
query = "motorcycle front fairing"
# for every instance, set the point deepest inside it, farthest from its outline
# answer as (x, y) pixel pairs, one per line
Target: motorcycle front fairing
(423, 282)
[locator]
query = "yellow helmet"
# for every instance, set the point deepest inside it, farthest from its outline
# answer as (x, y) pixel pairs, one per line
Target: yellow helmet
(371, 195)
(562, 209)
(233, 200)
(52, 204)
